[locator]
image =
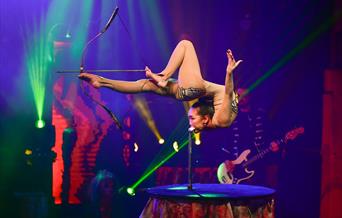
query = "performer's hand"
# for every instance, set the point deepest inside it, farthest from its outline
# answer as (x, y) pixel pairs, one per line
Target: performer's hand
(232, 64)
(92, 79)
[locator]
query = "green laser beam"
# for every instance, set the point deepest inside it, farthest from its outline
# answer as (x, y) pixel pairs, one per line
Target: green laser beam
(157, 166)
(161, 159)
(179, 131)
(307, 41)
(37, 52)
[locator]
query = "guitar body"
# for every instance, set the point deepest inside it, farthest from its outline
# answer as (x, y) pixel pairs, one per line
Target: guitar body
(234, 172)
(234, 176)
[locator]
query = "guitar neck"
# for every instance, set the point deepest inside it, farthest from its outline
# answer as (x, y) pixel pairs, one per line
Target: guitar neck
(260, 155)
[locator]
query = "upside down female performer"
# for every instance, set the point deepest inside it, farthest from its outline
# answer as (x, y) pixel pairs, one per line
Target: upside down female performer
(219, 111)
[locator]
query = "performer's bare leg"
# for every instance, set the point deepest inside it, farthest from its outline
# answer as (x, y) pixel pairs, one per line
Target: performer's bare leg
(138, 86)
(132, 87)
(183, 57)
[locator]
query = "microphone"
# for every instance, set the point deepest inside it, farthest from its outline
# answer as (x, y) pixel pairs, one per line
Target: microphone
(115, 12)
(191, 128)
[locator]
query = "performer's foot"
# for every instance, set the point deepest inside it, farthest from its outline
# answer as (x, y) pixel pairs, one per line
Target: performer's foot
(156, 77)
(92, 79)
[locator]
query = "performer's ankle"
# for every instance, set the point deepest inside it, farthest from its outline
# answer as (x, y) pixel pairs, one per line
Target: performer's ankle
(162, 83)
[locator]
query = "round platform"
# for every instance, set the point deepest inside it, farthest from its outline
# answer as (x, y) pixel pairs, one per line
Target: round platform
(212, 192)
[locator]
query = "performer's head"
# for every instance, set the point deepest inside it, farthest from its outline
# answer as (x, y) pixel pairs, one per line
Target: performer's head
(200, 114)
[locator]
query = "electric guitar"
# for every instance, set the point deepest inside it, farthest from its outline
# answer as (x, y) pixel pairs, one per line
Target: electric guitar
(233, 172)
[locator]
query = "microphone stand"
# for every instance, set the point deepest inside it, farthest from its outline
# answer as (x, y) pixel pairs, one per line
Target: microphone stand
(190, 159)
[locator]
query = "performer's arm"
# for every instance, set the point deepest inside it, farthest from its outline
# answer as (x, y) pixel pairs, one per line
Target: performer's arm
(228, 110)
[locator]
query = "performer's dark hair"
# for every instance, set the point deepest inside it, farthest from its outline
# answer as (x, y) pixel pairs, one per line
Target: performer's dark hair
(205, 106)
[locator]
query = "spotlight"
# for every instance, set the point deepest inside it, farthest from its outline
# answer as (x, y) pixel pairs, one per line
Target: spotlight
(130, 191)
(68, 35)
(175, 146)
(161, 141)
(40, 124)
(28, 152)
(197, 138)
(144, 111)
(136, 147)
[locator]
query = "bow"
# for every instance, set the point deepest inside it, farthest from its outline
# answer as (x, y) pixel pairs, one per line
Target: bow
(81, 70)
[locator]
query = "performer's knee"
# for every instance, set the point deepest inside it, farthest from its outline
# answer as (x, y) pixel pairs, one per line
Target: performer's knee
(185, 43)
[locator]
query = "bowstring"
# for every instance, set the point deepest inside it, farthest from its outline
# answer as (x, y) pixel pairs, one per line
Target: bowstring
(132, 41)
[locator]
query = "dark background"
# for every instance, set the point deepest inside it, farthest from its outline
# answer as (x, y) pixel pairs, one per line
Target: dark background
(292, 36)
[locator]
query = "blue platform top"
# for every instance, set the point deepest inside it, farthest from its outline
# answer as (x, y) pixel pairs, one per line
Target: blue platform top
(212, 191)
